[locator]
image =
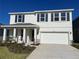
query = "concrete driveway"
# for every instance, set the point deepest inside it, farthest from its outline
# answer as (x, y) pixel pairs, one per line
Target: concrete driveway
(54, 51)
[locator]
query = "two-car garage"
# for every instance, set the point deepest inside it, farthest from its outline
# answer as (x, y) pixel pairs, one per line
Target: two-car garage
(54, 37)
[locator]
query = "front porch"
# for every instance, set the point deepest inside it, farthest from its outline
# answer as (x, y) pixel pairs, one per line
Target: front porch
(20, 33)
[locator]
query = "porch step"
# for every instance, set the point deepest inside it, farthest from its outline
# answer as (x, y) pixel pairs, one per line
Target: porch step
(34, 45)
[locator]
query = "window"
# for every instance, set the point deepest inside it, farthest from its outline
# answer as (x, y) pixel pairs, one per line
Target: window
(19, 18)
(56, 17)
(42, 17)
(68, 16)
(63, 16)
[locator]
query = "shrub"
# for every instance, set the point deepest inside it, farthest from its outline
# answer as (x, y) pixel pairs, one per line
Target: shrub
(19, 48)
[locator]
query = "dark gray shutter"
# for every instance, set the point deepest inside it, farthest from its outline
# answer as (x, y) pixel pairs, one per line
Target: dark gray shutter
(46, 17)
(37, 17)
(51, 16)
(68, 16)
(23, 19)
(15, 18)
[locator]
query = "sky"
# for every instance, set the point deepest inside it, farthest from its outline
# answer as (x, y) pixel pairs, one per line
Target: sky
(7, 6)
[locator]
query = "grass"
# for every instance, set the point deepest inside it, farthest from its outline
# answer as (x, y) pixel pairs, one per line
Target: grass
(6, 54)
(15, 51)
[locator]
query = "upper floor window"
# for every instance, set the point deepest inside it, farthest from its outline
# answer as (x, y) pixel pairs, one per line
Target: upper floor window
(42, 17)
(60, 16)
(56, 17)
(63, 16)
(19, 18)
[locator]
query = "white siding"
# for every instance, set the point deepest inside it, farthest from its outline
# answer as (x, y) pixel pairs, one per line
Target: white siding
(55, 23)
(12, 19)
(30, 18)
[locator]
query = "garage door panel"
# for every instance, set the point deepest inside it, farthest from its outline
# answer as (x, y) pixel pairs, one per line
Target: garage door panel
(56, 38)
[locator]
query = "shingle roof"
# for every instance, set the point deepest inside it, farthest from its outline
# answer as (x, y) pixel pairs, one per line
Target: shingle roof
(41, 11)
(20, 25)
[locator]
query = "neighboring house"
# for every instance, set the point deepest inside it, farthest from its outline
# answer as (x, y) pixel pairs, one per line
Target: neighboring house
(1, 33)
(44, 27)
(76, 30)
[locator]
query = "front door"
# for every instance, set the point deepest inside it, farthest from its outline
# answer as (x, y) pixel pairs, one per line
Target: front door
(20, 35)
(32, 35)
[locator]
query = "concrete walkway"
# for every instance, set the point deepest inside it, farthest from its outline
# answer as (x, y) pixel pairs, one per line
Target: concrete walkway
(53, 51)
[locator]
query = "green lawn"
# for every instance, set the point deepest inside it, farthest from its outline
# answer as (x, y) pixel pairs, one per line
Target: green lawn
(15, 52)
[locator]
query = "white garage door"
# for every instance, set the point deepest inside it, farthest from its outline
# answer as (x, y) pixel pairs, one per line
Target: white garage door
(54, 38)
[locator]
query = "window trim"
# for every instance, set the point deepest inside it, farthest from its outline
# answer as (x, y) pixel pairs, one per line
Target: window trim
(17, 19)
(65, 16)
(56, 16)
(41, 17)
(60, 17)
(45, 17)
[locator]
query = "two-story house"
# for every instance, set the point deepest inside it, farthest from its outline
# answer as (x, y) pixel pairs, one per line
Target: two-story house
(44, 27)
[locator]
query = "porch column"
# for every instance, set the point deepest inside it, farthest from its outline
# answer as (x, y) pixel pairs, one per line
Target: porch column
(24, 35)
(14, 33)
(4, 34)
(35, 36)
